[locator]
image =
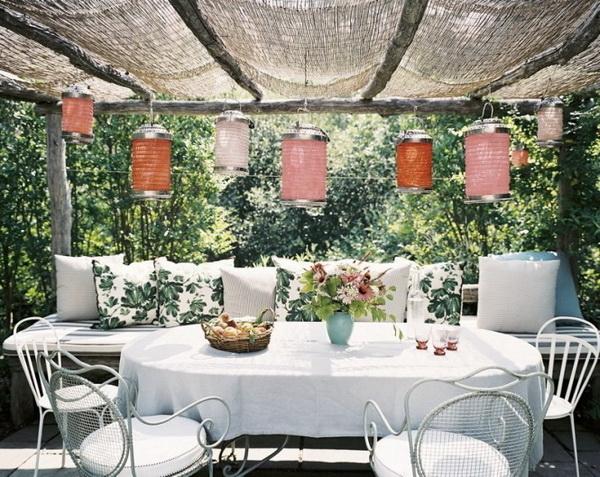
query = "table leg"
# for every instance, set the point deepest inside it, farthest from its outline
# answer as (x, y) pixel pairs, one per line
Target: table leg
(230, 466)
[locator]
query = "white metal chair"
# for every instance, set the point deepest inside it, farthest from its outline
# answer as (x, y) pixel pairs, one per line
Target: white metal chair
(572, 380)
(109, 438)
(483, 431)
(41, 337)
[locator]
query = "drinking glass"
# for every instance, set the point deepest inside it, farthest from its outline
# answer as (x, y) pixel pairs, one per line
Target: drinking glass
(414, 314)
(439, 338)
(422, 332)
(453, 337)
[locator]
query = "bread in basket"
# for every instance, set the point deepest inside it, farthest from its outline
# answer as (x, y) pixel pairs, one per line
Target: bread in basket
(242, 336)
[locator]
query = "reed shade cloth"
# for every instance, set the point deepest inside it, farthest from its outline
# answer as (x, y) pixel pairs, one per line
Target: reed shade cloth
(151, 162)
(303, 385)
(232, 143)
(457, 48)
(550, 122)
(77, 117)
(519, 156)
(414, 161)
(304, 166)
(487, 165)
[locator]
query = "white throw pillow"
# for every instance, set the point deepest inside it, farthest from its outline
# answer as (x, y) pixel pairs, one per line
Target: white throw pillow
(75, 290)
(189, 292)
(516, 296)
(126, 293)
(248, 291)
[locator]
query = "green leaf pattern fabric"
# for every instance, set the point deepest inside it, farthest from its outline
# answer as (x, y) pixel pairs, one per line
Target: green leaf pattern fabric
(289, 302)
(189, 293)
(440, 284)
(126, 293)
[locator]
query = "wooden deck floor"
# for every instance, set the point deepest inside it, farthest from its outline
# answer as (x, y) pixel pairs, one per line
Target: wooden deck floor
(321, 458)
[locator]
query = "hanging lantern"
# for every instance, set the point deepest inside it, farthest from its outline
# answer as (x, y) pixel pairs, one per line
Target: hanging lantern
(304, 167)
(487, 165)
(232, 143)
(151, 162)
(77, 115)
(550, 122)
(519, 156)
(414, 162)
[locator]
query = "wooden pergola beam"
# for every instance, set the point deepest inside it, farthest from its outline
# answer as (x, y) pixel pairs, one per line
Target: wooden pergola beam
(15, 90)
(384, 107)
(79, 57)
(191, 15)
(410, 18)
(571, 47)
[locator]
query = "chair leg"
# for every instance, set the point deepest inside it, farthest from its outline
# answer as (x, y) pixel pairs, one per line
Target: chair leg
(64, 455)
(210, 463)
(39, 443)
(572, 418)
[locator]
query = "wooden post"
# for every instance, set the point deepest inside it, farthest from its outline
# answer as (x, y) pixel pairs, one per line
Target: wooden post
(58, 187)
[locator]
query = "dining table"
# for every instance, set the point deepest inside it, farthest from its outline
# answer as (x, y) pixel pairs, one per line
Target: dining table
(302, 385)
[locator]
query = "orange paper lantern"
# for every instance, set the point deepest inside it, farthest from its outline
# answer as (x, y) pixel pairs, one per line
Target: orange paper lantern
(151, 162)
(304, 167)
(77, 116)
(519, 156)
(487, 164)
(414, 162)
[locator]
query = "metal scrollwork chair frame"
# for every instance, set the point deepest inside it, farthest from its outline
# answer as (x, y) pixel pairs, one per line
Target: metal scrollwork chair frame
(119, 413)
(500, 392)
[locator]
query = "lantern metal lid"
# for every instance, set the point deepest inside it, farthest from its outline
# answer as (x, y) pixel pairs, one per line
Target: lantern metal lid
(235, 115)
(550, 102)
(414, 135)
(306, 132)
(487, 126)
(152, 131)
(77, 91)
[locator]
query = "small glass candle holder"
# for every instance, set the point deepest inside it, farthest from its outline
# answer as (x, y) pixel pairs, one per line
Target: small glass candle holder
(422, 333)
(453, 337)
(439, 339)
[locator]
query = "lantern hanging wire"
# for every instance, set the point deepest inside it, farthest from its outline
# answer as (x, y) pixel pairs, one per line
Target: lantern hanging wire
(487, 162)
(151, 161)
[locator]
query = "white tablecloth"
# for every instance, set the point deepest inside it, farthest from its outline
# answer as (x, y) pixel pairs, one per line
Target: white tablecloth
(303, 385)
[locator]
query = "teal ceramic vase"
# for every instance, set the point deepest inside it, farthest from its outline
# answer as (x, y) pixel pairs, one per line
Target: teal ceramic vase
(339, 328)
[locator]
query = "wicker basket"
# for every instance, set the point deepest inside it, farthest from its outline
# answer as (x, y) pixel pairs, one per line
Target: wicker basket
(240, 345)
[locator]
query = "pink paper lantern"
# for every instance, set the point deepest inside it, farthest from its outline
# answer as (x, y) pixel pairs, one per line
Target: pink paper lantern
(232, 143)
(304, 167)
(550, 122)
(487, 162)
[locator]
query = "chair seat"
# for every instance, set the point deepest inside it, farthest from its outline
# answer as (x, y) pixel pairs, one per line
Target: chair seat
(159, 451)
(558, 408)
(81, 396)
(457, 454)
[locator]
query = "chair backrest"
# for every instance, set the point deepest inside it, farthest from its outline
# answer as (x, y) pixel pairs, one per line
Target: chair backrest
(565, 348)
(40, 337)
(482, 431)
(95, 432)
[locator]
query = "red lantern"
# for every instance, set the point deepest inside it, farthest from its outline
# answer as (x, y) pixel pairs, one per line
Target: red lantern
(414, 162)
(151, 162)
(487, 164)
(519, 156)
(550, 122)
(304, 167)
(77, 116)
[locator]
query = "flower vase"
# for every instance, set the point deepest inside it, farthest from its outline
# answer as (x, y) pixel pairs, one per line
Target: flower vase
(339, 328)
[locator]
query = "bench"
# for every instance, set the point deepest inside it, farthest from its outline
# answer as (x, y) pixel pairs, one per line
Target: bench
(98, 346)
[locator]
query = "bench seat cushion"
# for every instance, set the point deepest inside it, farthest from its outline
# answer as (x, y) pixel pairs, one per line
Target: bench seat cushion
(81, 337)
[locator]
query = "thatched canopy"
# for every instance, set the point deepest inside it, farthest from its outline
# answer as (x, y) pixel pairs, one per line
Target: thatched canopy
(279, 49)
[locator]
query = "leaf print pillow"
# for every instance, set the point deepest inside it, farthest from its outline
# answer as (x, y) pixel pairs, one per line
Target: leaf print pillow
(440, 284)
(126, 293)
(189, 293)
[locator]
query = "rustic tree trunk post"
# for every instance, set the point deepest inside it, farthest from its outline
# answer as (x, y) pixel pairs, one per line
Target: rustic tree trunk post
(58, 188)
